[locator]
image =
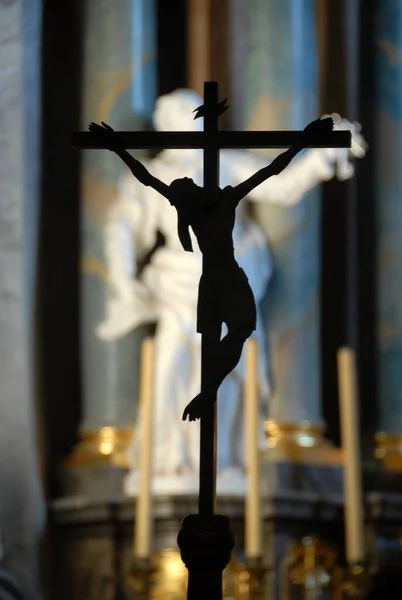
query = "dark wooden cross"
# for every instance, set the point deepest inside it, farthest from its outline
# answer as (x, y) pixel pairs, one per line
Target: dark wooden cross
(211, 140)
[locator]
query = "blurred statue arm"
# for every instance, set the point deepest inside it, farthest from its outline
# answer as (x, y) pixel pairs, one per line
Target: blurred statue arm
(129, 304)
(318, 129)
(129, 233)
(306, 172)
(274, 168)
(119, 249)
(290, 187)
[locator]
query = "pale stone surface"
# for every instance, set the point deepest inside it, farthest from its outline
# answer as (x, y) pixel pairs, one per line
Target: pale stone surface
(388, 208)
(167, 290)
(21, 504)
(119, 82)
(275, 84)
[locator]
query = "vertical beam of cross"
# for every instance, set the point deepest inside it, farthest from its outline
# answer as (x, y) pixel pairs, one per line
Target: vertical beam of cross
(208, 438)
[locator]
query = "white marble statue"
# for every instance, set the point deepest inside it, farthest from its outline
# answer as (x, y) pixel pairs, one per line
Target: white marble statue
(166, 291)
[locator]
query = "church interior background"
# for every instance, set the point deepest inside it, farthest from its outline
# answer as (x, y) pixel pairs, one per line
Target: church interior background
(97, 309)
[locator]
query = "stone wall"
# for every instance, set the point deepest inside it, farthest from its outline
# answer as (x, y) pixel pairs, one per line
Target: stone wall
(21, 507)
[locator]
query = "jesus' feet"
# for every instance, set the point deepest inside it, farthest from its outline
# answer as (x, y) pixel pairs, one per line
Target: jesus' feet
(195, 410)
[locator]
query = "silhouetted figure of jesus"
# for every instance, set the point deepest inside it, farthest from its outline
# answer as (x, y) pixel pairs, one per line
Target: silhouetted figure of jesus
(225, 295)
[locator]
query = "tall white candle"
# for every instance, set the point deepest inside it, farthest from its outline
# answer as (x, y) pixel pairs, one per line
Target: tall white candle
(198, 43)
(252, 519)
(349, 414)
(143, 516)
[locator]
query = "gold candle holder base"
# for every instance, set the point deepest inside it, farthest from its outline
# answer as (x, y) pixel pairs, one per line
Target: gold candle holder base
(299, 442)
(356, 582)
(140, 580)
(388, 450)
(103, 446)
(169, 581)
(165, 577)
(250, 579)
(310, 566)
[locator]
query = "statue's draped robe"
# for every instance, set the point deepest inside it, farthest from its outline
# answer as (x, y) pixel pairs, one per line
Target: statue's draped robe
(167, 293)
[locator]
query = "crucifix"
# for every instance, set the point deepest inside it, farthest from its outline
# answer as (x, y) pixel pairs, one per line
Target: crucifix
(206, 540)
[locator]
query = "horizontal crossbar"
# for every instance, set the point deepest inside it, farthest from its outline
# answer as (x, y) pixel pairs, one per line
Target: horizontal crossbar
(222, 139)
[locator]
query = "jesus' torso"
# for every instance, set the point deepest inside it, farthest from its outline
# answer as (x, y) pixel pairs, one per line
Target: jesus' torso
(212, 223)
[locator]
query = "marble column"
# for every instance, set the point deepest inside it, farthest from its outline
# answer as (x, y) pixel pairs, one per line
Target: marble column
(118, 87)
(275, 86)
(21, 502)
(387, 146)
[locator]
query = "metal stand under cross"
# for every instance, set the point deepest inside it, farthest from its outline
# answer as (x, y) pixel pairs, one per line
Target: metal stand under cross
(206, 540)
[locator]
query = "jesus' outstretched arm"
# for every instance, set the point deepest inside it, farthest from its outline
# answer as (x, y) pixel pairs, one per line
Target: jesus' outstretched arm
(274, 168)
(317, 127)
(138, 170)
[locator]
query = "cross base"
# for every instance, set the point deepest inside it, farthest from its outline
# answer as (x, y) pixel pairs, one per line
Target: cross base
(206, 543)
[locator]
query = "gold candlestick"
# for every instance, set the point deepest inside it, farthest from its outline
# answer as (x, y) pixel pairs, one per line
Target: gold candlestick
(355, 583)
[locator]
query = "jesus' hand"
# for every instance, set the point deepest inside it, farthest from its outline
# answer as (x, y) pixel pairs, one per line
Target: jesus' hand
(103, 133)
(320, 128)
(316, 130)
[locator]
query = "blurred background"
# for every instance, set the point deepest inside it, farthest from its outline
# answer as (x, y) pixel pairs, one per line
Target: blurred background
(77, 249)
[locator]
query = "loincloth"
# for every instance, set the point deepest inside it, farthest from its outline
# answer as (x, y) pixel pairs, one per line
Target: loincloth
(226, 298)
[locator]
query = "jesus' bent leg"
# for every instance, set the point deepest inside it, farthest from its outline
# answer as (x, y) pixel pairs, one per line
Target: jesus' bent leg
(222, 362)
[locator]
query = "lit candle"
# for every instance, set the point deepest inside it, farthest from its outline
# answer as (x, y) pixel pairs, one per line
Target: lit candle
(252, 519)
(143, 517)
(349, 414)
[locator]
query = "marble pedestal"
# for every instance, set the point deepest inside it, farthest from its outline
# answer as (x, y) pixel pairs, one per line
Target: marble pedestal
(92, 538)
